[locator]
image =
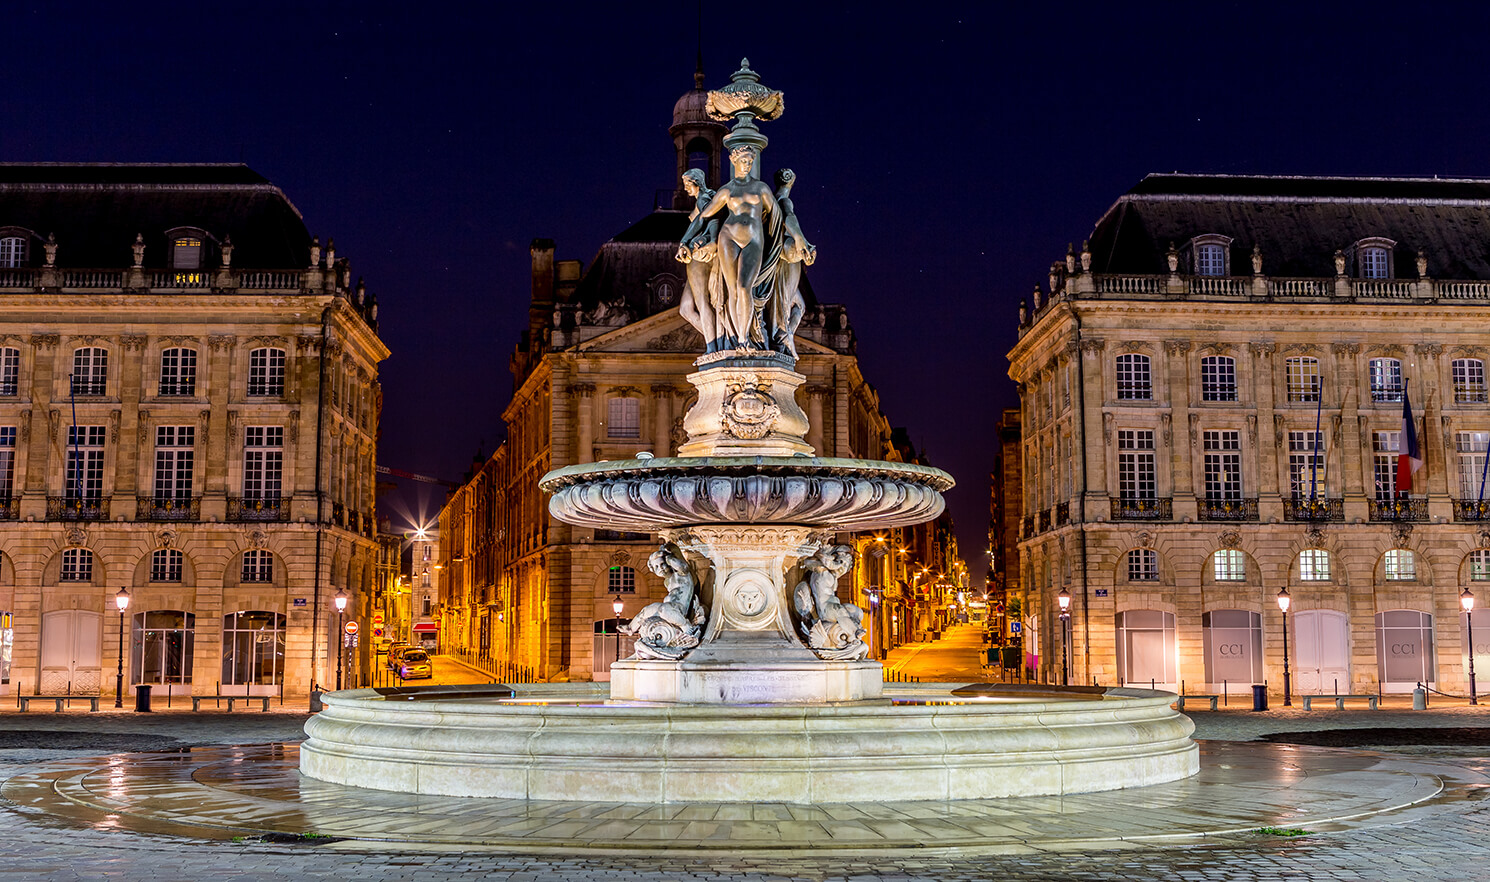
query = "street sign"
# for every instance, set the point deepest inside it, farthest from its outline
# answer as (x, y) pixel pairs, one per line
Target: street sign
(377, 632)
(351, 627)
(377, 620)
(1016, 627)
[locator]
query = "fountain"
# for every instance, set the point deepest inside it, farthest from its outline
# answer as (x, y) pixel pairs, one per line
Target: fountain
(751, 680)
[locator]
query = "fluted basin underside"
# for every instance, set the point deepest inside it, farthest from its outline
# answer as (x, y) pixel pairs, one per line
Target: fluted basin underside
(840, 494)
(549, 743)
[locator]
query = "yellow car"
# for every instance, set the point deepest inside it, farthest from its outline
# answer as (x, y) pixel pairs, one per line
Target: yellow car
(414, 665)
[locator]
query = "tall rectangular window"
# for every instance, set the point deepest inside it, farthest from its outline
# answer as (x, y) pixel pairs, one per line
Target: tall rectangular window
(174, 462)
(1469, 380)
(1217, 378)
(1135, 382)
(623, 418)
(1386, 379)
(1384, 462)
(266, 372)
(178, 372)
(263, 461)
(1306, 459)
(85, 462)
(1303, 379)
(1136, 464)
(1143, 565)
(1210, 260)
(90, 371)
(7, 462)
(1373, 263)
(258, 566)
(1474, 483)
(1223, 465)
(12, 252)
(10, 370)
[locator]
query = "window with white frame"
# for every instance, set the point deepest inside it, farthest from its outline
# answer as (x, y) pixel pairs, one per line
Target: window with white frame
(10, 370)
(621, 580)
(77, 565)
(175, 460)
(1386, 379)
(85, 462)
(1136, 465)
(90, 371)
(7, 462)
(1217, 378)
(1210, 260)
(1303, 378)
(1384, 462)
(1135, 381)
(1306, 460)
(1223, 465)
(263, 461)
(1314, 565)
(266, 372)
(1229, 565)
(1373, 262)
(623, 418)
(258, 566)
(1143, 565)
(178, 371)
(165, 565)
(1473, 479)
(1469, 380)
(1398, 565)
(12, 252)
(1479, 565)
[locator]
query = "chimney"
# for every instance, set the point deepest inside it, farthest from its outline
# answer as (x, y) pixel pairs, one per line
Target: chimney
(541, 310)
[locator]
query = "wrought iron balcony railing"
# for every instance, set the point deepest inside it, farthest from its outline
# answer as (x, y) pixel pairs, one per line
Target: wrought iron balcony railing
(242, 508)
(1062, 514)
(1143, 509)
(163, 508)
(1319, 508)
(1026, 527)
(10, 508)
(1227, 509)
(1410, 509)
(70, 508)
(1469, 510)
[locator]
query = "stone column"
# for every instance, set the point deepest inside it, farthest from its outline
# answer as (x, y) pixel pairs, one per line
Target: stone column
(815, 396)
(1181, 452)
(1261, 454)
(1431, 439)
(583, 396)
(662, 398)
(44, 356)
(1092, 484)
(1354, 460)
(129, 467)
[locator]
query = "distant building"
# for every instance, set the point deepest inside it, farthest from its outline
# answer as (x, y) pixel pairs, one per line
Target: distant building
(1006, 508)
(189, 405)
(1212, 395)
(599, 375)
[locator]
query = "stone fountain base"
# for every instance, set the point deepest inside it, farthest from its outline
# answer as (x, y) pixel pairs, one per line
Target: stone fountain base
(733, 672)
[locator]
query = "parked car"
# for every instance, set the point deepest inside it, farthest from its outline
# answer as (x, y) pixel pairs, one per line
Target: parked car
(414, 664)
(395, 650)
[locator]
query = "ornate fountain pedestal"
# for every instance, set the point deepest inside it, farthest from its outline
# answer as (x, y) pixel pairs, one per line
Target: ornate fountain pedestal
(747, 406)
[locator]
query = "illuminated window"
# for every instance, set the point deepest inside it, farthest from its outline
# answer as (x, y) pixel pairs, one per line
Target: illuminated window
(77, 565)
(12, 252)
(1386, 379)
(624, 418)
(1314, 565)
(266, 372)
(1400, 566)
(165, 565)
(258, 566)
(186, 253)
(1469, 381)
(1229, 565)
(621, 580)
(1143, 565)
(1134, 380)
(1384, 458)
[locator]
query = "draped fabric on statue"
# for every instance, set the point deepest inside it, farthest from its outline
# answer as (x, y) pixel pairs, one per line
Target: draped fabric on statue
(769, 276)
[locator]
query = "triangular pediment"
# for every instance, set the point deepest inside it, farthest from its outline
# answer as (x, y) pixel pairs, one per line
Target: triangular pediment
(667, 331)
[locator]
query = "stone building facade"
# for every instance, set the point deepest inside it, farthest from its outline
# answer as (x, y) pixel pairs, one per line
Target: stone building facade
(1212, 394)
(189, 410)
(1006, 511)
(600, 374)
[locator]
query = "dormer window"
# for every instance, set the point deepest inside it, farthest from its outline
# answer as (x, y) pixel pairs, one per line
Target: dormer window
(12, 252)
(1373, 258)
(1210, 255)
(186, 252)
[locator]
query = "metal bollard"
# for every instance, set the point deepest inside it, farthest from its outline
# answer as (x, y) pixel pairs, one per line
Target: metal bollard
(1420, 698)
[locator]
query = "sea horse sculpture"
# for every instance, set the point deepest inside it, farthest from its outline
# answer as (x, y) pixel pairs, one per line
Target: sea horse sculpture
(834, 630)
(669, 628)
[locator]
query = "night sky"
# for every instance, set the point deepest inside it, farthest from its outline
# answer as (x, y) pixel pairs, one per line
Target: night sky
(945, 154)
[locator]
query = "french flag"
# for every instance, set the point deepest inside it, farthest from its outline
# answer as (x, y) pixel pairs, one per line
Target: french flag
(1409, 455)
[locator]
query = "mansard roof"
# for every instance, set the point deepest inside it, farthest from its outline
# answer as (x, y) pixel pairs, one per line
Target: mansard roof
(96, 209)
(1299, 222)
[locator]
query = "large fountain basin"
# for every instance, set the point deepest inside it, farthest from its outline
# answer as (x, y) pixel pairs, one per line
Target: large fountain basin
(565, 742)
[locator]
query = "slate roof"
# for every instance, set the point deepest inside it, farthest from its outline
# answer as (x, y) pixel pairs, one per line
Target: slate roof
(95, 210)
(1299, 222)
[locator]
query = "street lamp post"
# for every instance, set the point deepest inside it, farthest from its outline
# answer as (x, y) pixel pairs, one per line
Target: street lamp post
(341, 636)
(1064, 598)
(121, 600)
(1283, 603)
(617, 605)
(1466, 600)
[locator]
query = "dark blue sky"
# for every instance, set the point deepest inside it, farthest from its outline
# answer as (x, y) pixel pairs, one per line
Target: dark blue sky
(946, 153)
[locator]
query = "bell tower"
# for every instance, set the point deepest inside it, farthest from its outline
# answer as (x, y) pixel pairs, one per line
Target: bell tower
(697, 139)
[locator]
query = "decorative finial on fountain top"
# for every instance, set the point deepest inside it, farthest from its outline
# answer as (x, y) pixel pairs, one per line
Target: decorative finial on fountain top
(745, 100)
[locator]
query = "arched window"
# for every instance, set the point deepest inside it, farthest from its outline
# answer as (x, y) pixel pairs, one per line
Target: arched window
(1314, 565)
(266, 372)
(90, 371)
(258, 566)
(1399, 566)
(621, 580)
(165, 565)
(1469, 381)
(1229, 565)
(1303, 378)
(1143, 565)
(253, 652)
(1218, 378)
(1479, 565)
(162, 646)
(12, 252)
(178, 371)
(77, 566)
(1134, 379)
(1386, 379)
(623, 418)
(10, 370)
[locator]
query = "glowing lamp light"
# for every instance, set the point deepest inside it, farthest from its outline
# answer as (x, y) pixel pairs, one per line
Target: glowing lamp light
(1284, 601)
(1466, 600)
(1064, 599)
(341, 600)
(121, 600)
(617, 605)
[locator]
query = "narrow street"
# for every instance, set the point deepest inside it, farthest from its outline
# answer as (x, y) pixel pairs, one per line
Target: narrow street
(956, 657)
(447, 672)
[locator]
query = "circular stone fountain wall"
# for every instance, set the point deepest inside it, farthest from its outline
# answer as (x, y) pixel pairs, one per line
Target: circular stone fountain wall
(567, 743)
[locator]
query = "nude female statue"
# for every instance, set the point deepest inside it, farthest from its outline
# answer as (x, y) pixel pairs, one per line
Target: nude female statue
(787, 305)
(742, 252)
(698, 306)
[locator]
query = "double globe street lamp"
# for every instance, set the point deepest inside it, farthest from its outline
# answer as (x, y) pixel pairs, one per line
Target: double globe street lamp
(1284, 601)
(121, 600)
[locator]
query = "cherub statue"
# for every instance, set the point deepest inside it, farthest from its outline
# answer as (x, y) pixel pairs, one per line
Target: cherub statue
(833, 629)
(672, 626)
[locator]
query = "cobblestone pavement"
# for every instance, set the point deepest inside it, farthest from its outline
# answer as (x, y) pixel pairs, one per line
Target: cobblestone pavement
(1446, 840)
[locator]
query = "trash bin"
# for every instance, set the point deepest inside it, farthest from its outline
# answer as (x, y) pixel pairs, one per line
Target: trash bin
(142, 698)
(1259, 698)
(315, 701)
